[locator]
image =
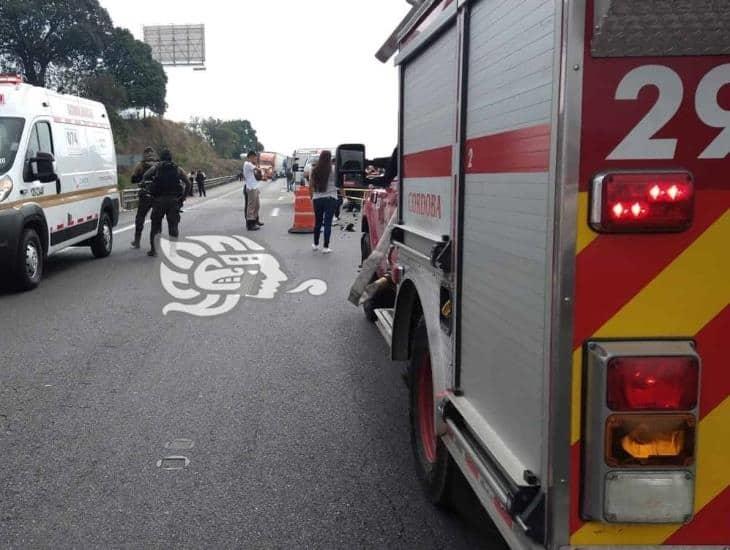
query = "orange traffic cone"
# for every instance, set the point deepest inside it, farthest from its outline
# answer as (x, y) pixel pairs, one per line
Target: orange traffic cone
(303, 212)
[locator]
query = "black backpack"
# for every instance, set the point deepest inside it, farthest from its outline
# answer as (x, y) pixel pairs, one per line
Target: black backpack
(167, 180)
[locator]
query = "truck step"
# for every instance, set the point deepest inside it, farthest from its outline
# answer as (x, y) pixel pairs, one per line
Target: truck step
(384, 322)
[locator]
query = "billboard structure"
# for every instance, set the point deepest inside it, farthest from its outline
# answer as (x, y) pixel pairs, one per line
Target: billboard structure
(177, 45)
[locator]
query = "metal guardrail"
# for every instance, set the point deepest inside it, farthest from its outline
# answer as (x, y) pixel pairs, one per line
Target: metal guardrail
(130, 196)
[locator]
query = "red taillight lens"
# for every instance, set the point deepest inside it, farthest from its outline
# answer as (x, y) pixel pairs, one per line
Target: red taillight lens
(652, 383)
(642, 202)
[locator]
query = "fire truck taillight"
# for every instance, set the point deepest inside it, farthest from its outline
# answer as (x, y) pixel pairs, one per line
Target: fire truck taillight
(650, 440)
(640, 431)
(652, 383)
(639, 202)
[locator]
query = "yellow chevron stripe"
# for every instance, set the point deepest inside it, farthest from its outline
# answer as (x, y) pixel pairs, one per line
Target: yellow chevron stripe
(585, 234)
(681, 300)
(713, 476)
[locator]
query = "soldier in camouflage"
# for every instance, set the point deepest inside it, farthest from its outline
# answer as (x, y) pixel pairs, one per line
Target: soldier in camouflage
(145, 197)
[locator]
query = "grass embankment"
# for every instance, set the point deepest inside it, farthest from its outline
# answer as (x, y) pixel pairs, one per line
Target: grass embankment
(189, 150)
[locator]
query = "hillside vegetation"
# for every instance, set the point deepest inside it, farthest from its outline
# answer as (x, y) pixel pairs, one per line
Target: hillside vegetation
(190, 151)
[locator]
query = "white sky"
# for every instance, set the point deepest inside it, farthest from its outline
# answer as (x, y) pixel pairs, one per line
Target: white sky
(302, 71)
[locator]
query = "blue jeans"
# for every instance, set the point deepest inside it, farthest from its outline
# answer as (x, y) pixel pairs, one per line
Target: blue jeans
(324, 210)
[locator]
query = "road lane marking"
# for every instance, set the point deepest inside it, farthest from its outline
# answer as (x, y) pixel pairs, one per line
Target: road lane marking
(275, 212)
(131, 226)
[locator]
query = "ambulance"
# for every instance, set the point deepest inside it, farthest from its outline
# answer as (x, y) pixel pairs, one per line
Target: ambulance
(58, 178)
(561, 255)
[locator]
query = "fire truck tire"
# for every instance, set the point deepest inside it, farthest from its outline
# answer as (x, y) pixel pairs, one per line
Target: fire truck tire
(366, 247)
(437, 471)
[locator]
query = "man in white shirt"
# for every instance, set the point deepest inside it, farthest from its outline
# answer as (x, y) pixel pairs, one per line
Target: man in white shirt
(251, 177)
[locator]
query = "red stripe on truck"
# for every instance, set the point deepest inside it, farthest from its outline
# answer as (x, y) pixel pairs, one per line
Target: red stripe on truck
(715, 373)
(517, 151)
(433, 163)
(710, 525)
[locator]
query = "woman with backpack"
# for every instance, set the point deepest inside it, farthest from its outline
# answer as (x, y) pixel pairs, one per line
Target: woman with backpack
(324, 198)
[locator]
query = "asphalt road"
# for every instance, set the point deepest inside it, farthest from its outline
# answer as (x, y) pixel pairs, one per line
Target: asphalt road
(291, 420)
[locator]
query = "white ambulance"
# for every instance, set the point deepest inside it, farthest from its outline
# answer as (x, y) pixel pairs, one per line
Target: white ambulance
(58, 178)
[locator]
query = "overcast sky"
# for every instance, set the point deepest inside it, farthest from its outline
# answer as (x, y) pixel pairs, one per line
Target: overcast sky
(303, 72)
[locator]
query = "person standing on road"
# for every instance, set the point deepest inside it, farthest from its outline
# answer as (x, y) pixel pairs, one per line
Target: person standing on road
(289, 175)
(200, 180)
(252, 177)
(144, 204)
(168, 184)
(324, 198)
(189, 188)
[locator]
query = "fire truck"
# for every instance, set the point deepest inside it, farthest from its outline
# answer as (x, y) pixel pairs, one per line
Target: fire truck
(561, 260)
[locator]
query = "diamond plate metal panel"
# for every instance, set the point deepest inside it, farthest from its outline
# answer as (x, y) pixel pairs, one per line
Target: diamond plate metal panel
(640, 28)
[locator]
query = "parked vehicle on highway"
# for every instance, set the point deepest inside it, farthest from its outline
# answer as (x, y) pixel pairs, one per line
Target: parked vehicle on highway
(267, 163)
(58, 178)
(562, 265)
(299, 161)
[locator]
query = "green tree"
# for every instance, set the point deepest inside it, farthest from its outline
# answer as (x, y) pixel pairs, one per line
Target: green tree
(129, 61)
(40, 37)
(229, 138)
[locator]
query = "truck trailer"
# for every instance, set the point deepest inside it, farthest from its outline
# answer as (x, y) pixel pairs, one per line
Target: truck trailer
(560, 253)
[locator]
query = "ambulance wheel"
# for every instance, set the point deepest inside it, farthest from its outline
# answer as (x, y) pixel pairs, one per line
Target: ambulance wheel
(101, 245)
(434, 466)
(29, 267)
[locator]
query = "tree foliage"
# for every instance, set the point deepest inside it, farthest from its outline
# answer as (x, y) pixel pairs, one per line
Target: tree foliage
(129, 61)
(229, 138)
(71, 46)
(38, 35)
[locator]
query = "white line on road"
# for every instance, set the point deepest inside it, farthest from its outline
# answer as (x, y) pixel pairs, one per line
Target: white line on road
(131, 226)
(275, 212)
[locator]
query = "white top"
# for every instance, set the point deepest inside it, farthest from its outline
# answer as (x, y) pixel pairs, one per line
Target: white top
(248, 175)
(331, 189)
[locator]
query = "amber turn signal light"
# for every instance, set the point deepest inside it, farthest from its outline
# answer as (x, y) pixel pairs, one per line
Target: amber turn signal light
(650, 440)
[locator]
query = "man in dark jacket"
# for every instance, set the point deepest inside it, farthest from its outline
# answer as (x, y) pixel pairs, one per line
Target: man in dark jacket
(168, 185)
(145, 197)
(200, 180)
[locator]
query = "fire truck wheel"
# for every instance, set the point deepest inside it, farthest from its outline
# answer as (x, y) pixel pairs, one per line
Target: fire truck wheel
(435, 467)
(365, 247)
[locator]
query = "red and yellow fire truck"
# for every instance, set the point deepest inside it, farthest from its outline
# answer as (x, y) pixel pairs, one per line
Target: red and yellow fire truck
(562, 264)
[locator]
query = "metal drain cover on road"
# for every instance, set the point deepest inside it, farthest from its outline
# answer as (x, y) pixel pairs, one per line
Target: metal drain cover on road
(173, 463)
(179, 444)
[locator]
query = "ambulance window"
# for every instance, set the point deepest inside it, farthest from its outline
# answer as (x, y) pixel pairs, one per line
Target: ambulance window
(40, 140)
(44, 137)
(10, 131)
